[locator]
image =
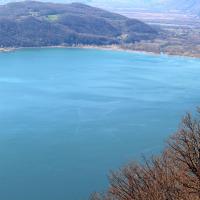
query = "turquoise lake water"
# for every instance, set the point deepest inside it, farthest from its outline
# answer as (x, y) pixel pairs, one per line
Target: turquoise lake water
(68, 116)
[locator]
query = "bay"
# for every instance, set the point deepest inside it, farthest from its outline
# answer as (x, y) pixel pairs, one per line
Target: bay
(68, 116)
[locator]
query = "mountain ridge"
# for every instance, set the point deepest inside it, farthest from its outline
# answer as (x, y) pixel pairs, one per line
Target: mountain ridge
(186, 6)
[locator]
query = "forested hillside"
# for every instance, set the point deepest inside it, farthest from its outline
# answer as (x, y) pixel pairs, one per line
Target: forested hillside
(27, 24)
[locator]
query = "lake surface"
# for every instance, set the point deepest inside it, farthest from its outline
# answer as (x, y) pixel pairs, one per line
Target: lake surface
(68, 116)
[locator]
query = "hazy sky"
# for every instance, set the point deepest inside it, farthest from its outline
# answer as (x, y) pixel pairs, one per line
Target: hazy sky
(149, 4)
(109, 3)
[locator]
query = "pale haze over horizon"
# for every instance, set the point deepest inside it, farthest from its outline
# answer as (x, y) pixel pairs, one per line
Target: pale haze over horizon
(149, 4)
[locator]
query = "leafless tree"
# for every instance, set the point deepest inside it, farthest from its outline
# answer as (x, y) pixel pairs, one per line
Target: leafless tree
(185, 154)
(174, 175)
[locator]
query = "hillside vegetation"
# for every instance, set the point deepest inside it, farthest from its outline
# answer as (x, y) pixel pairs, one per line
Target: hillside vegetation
(30, 23)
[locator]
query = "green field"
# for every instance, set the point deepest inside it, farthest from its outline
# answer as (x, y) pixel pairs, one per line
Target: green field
(52, 18)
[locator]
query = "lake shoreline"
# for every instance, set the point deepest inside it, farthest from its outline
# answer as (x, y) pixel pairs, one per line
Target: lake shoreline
(60, 104)
(100, 47)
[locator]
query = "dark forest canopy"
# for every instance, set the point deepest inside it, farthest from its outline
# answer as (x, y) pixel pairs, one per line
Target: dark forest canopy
(30, 23)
